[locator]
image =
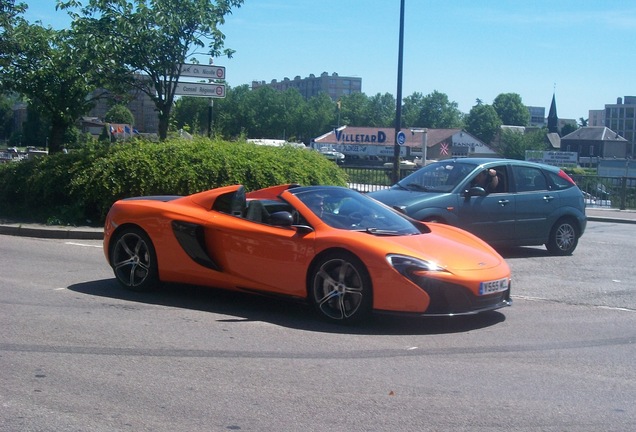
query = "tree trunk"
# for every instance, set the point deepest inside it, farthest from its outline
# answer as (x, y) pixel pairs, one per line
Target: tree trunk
(56, 140)
(164, 122)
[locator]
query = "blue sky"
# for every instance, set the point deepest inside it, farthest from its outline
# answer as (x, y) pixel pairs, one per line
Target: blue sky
(580, 49)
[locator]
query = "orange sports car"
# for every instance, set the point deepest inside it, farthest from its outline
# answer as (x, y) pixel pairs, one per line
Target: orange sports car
(336, 248)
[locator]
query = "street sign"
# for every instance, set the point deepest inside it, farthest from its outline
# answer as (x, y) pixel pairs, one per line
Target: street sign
(202, 71)
(200, 90)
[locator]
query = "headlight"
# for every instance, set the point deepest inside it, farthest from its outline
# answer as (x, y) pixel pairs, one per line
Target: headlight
(411, 267)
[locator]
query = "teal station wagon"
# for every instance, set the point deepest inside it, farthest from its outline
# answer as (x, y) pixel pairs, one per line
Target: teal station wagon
(532, 204)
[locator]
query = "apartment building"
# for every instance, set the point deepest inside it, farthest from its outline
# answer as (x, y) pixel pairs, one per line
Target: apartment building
(333, 85)
(621, 118)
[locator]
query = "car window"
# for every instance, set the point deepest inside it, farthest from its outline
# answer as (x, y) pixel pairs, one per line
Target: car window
(349, 210)
(529, 179)
(437, 177)
(560, 183)
(484, 179)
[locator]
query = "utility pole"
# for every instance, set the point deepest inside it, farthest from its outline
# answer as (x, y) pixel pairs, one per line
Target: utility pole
(398, 108)
(210, 117)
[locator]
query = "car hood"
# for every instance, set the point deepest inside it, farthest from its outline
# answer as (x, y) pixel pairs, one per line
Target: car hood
(401, 197)
(449, 247)
(453, 249)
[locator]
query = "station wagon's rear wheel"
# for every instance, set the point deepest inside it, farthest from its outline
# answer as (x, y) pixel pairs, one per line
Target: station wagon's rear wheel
(340, 288)
(134, 260)
(563, 237)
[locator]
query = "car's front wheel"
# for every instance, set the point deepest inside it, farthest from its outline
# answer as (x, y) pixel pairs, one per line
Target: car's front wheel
(563, 238)
(340, 288)
(134, 260)
(435, 219)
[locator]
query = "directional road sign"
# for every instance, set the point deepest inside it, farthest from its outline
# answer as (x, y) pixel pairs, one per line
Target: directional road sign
(203, 71)
(200, 90)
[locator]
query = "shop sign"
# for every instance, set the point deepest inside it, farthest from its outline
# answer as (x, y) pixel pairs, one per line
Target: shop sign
(343, 137)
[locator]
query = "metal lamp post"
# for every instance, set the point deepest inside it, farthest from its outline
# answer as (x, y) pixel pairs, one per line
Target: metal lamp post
(398, 108)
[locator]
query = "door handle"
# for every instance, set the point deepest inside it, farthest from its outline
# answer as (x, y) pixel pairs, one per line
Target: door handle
(548, 198)
(504, 202)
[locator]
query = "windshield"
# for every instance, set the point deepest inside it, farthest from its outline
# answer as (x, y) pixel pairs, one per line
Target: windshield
(350, 210)
(441, 176)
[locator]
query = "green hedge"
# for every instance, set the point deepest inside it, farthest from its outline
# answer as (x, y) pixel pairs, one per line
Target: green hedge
(81, 186)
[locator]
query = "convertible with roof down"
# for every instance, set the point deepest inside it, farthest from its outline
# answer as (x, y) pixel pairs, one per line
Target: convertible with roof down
(346, 254)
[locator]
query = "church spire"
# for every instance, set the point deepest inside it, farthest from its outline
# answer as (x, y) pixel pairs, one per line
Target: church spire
(553, 119)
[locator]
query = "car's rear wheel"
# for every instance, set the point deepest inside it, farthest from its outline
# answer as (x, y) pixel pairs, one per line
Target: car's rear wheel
(563, 237)
(134, 260)
(340, 288)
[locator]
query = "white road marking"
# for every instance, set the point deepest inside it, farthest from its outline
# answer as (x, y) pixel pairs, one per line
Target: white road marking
(83, 245)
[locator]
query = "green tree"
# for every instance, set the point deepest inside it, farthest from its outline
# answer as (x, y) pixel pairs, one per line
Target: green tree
(265, 113)
(319, 116)
(513, 144)
(354, 110)
(511, 110)
(411, 107)
(6, 117)
(483, 122)
(119, 114)
(234, 114)
(438, 112)
(271, 120)
(48, 69)
(34, 129)
(294, 104)
(381, 110)
(10, 16)
(141, 44)
(568, 128)
(191, 114)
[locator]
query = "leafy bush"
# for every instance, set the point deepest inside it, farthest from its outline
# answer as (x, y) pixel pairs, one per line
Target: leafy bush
(38, 189)
(82, 185)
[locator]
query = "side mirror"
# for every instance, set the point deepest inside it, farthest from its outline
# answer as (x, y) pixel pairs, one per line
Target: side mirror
(475, 191)
(281, 219)
(399, 209)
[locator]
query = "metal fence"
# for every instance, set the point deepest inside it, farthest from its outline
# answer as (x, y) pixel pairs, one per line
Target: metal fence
(608, 192)
(372, 178)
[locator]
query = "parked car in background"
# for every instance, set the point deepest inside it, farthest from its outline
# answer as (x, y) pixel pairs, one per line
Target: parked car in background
(333, 155)
(403, 164)
(532, 204)
(330, 246)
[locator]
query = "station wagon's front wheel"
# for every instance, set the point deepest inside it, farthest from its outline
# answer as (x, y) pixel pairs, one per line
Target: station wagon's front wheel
(340, 288)
(563, 238)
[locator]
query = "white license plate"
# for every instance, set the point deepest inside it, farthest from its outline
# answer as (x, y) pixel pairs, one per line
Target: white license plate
(493, 286)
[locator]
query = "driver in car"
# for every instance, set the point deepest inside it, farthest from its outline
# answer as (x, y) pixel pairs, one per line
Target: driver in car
(487, 179)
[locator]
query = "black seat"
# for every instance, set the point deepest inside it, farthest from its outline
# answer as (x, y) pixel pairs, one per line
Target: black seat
(257, 212)
(233, 203)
